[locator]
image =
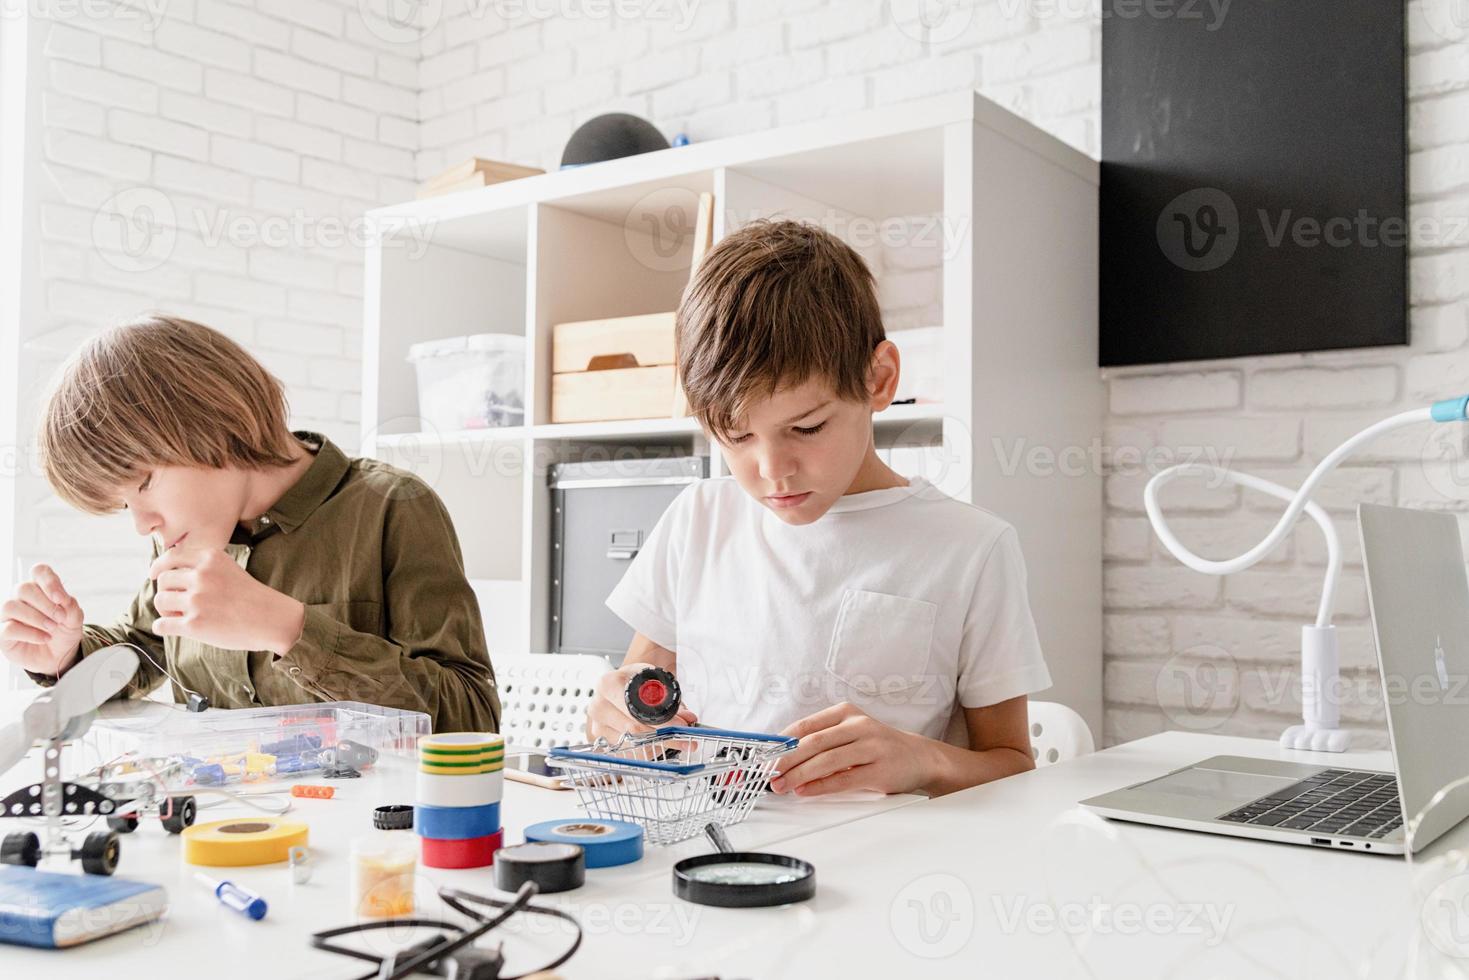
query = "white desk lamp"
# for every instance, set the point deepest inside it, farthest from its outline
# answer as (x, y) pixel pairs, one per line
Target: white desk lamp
(1319, 657)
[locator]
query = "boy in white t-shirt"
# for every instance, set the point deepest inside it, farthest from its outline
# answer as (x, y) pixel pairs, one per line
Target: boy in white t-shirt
(816, 592)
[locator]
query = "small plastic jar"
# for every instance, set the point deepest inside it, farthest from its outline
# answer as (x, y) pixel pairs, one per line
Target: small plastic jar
(383, 872)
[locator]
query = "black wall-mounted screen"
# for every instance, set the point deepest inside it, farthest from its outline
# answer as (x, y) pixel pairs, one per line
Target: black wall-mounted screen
(1253, 195)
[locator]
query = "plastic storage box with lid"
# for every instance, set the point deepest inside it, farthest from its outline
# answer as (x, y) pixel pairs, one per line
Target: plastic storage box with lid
(473, 382)
(222, 746)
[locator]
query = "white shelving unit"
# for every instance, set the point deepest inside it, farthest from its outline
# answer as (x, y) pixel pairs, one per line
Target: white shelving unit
(1014, 214)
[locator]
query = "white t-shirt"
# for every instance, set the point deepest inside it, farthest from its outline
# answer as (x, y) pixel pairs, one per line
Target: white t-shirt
(904, 601)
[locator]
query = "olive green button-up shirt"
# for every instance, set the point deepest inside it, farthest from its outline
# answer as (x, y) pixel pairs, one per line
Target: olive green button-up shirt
(390, 618)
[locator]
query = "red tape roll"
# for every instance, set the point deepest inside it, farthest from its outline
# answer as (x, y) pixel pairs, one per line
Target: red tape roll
(473, 852)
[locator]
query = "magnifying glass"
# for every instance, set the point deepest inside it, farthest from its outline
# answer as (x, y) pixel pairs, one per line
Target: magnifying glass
(742, 879)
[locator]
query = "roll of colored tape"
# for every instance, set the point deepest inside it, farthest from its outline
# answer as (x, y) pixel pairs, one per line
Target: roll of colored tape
(458, 743)
(479, 789)
(476, 852)
(553, 867)
(608, 843)
(242, 841)
(462, 768)
(456, 822)
(463, 750)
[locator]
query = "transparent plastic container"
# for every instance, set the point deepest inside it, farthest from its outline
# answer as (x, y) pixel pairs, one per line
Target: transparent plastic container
(384, 866)
(473, 382)
(221, 747)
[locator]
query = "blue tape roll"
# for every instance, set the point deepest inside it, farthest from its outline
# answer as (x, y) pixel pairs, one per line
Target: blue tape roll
(456, 822)
(607, 843)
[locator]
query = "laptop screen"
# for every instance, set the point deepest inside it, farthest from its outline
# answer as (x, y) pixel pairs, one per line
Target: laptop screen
(1419, 597)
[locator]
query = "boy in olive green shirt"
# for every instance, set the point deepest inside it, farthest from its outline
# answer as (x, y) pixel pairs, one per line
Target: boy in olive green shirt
(284, 572)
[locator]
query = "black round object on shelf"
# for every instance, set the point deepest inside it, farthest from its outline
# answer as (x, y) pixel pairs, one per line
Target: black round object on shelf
(610, 137)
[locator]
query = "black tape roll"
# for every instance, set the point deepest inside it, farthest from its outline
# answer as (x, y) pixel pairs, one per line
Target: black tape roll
(553, 867)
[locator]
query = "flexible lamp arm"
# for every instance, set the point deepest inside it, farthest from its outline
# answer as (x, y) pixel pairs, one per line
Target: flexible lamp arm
(1298, 502)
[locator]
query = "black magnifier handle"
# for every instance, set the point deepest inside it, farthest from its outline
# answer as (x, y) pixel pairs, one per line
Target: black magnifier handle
(717, 837)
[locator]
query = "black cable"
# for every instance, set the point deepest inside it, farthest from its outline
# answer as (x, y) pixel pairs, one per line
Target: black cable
(456, 900)
(453, 896)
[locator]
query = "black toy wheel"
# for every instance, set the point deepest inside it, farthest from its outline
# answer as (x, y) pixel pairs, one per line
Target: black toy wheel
(23, 849)
(123, 825)
(100, 853)
(178, 813)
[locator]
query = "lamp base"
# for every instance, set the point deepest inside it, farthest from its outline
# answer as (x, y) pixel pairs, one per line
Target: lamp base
(1312, 739)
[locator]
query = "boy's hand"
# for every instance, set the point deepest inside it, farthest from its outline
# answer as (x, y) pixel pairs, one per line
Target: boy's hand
(206, 596)
(844, 748)
(607, 715)
(41, 624)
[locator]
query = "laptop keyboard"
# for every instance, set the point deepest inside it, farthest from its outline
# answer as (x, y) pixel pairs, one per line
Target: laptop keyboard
(1336, 801)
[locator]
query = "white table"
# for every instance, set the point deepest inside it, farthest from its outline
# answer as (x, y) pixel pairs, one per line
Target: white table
(224, 944)
(1013, 879)
(1002, 880)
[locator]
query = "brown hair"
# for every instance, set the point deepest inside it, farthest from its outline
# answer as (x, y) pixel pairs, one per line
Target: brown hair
(775, 304)
(158, 391)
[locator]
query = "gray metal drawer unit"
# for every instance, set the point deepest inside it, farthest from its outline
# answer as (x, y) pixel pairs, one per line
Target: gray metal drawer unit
(602, 513)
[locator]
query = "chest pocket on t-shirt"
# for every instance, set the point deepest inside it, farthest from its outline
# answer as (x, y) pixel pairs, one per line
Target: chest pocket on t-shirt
(882, 643)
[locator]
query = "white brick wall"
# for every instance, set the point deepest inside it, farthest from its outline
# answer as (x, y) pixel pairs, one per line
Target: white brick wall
(240, 137)
(740, 66)
(1288, 412)
(272, 107)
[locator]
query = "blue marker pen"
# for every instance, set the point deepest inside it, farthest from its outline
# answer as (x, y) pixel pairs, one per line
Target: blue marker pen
(243, 901)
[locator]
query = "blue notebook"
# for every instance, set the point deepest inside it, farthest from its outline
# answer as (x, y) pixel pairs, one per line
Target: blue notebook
(43, 908)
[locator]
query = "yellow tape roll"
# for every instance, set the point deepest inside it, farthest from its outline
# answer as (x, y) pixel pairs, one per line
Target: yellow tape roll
(242, 841)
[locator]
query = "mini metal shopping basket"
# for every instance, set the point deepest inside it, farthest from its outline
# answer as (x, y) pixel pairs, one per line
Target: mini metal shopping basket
(672, 781)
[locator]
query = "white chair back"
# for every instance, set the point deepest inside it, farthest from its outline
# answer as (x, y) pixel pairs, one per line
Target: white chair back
(544, 697)
(1057, 733)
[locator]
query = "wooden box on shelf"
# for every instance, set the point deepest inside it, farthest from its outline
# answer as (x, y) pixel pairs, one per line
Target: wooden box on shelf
(613, 369)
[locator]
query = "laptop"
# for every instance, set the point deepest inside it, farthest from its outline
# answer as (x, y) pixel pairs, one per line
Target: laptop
(1419, 598)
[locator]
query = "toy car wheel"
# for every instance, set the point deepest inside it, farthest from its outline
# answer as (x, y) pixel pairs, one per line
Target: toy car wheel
(23, 849)
(100, 853)
(178, 813)
(125, 824)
